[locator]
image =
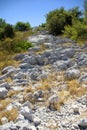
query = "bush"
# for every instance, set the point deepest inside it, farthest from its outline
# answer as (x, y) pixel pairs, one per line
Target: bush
(57, 19)
(21, 26)
(77, 31)
(1, 33)
(22, 46)
(14, 45)
(8, 31)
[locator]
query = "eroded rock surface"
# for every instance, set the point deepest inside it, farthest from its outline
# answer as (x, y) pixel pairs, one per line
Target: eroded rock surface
(39, 88)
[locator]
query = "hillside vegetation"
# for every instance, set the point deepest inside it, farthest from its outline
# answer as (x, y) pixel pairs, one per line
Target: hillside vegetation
(71, 23)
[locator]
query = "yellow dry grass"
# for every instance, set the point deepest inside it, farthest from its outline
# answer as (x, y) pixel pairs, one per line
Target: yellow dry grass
(4, 103)
(12, 92)
(75, 89)
(6, 59)
(11, 115)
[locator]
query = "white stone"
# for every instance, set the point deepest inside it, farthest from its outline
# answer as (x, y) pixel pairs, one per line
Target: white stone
(4, 120)
(31, 127)
(75, 109)
(83, 123)
(72, 74)
(36, 121)
(27, 113)
(9, 107)
(3, 92)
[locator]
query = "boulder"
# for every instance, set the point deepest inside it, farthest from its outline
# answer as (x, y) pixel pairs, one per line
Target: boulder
(9, 69)
(72, 74)
(19, 57)
(5, 84)
(30, 60)
(19, 75)
(27, 113)
(38, 94)
(34, 49)
(69, 52)
(28, 104)
(19, 118)
(81, 59)
(3, 92)
(39, 39)
(22, 125)
(4, 120)
(32, 127)
(76, 109)
(62, 64)
(39, 60)
(7, 126)
(36, 121)
(48, 45)
(83, 124)
(83, 78)
(25, 66)
(3, 77)
(53, 100)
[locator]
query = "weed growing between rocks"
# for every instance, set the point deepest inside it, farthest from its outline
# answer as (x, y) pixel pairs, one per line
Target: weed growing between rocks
(6, 59)
(11, 93)
(9, 114)
(75, 88)
(4, 103)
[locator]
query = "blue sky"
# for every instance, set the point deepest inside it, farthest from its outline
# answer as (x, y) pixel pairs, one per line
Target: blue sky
(33, 11)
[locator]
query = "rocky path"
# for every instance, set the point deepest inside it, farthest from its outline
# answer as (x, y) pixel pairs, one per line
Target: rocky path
(48, 90)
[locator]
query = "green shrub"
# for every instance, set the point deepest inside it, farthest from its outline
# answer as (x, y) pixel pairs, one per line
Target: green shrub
(22, 46)
(14, 45)
(1, 33)
(21, 26)
(56, 20)
(77, 31)
(9, 31)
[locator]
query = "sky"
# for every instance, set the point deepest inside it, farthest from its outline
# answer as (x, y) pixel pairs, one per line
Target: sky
(33, 11)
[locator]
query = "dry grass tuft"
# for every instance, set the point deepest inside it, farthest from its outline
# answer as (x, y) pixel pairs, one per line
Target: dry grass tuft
(4, 103)
(9, 80)
(6, 59)
(29, 89)
(45, 85)
(10, 115)
(63, 96)
(75, 88)
(12, 92)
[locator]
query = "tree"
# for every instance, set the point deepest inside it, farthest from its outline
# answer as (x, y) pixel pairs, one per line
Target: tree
(85, 10)
(75, 13)
(2, 23)
(9, 31)
(21, 26)
(57, 19)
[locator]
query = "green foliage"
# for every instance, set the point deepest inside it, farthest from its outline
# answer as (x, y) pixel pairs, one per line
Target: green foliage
(57, 19)
(2, 23)
(77, 31)
(15, 45)
(9, 31)
(85, 5)
(22, 46)
(1, 33)
(6, 30)
(85, 11)
(21, 26)
(75, 13)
